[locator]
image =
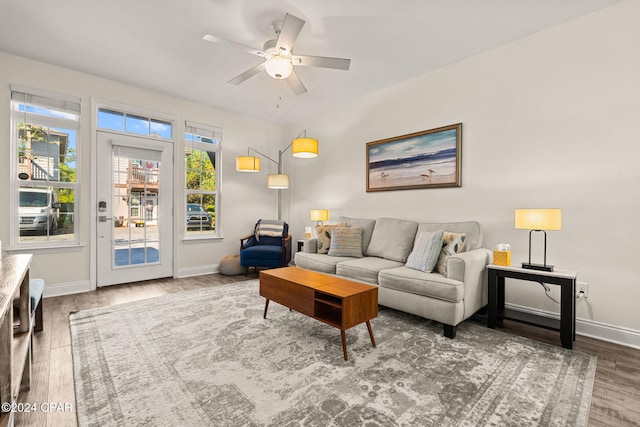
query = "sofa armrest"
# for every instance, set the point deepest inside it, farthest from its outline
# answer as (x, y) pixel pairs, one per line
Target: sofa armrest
(310, 245)
(469, 268)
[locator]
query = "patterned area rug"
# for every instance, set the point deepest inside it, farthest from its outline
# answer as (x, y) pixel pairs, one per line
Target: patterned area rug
(208, 358)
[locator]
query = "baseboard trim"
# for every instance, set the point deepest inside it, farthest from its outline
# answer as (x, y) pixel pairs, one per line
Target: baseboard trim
(60, 289)
(198, 271)
(589, 328)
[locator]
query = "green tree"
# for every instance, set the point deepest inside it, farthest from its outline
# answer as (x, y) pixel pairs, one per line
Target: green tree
(200, 172)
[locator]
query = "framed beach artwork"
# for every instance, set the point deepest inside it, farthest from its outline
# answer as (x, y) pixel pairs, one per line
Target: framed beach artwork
(427, 159)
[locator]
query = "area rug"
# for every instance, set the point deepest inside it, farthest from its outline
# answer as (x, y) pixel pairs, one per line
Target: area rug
(208, 358)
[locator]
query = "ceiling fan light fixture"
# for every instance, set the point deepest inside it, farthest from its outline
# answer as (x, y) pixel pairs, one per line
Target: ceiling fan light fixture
(278, 67)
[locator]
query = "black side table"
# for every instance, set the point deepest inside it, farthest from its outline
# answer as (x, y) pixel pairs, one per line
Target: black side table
(563, 278)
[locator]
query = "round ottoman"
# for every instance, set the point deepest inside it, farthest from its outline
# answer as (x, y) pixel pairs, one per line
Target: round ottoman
(230, 265)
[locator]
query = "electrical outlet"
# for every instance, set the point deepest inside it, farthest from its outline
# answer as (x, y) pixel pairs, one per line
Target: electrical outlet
(582, 290)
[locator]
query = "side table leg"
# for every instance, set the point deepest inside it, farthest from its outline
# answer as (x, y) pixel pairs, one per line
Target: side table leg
(266, 306)
(492, 284)
(373, 340)
(567, 308)
(344, 344)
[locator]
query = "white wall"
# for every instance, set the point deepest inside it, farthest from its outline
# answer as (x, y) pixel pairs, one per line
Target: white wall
(552, 120)
(244, 197)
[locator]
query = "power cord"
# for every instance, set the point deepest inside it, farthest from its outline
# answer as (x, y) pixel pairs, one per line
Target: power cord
(546, 291)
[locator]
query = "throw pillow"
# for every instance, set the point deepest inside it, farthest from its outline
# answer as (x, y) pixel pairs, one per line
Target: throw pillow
(426, 251)
(346, 241)
(452, 243)
(324, 236)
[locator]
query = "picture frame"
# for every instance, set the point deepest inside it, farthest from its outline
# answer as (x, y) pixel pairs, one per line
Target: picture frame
(427, 159)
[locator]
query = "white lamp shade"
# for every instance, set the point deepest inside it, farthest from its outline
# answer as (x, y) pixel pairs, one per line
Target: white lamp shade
(319, 214)
(304, 148)
(247, 164)
(278, 67)
(278, 181)
(538, 219)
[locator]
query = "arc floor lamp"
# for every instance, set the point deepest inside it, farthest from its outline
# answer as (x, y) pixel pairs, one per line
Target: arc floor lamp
(301, 147)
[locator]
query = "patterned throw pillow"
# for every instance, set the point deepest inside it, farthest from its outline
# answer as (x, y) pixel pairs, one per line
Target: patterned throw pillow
(324, 236)
(426, 250)
(346, 241)
(452, 243)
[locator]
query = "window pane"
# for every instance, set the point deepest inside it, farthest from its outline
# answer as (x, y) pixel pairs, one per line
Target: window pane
(46, 154)
(46, 214)
(108, 119)
(137, 124)
(161, 129)
(200, 171)
(200, 213)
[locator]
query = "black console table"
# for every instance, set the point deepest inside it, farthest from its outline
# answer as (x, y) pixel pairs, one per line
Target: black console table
(563, 278)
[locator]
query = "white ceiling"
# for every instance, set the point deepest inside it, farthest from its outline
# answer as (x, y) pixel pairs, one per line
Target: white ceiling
(157, 44)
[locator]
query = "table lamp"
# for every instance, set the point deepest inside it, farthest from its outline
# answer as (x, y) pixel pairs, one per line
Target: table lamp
(319, 215)
(538, 220)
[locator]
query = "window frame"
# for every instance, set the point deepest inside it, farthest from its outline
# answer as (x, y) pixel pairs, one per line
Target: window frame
(216, 132)
(56, 102)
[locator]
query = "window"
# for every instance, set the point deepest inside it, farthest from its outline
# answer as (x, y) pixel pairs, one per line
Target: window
(134, 124)
(45, 129)
(202, 156)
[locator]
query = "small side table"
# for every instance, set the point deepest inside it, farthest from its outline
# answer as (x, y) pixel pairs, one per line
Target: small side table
(300, 245)
(563, 278)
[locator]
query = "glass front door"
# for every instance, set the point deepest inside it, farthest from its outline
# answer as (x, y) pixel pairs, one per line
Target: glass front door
(134, 221)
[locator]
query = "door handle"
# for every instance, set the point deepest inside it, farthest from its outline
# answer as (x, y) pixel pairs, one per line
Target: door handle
(104, 218)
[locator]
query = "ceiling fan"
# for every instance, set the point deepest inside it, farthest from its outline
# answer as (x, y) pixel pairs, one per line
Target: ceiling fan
(279, 57)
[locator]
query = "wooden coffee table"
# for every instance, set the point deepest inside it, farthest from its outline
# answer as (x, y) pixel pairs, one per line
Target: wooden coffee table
(337, 302)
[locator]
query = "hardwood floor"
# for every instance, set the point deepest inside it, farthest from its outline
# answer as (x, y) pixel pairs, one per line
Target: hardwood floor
(616, 391)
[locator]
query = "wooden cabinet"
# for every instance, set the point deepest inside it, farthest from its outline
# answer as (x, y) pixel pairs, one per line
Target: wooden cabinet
(15, 331)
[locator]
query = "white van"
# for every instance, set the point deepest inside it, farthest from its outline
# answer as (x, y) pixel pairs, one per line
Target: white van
(39, 209)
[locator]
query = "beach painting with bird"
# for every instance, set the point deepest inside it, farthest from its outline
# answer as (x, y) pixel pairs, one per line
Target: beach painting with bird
(427, 159)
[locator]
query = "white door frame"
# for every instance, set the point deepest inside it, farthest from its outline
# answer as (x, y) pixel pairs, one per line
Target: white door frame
(95, 104)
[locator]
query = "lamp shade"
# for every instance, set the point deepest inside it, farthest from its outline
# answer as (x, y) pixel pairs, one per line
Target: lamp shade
(278, 181)
(304, 148)
(278, 67)
(319, 214)
(248, 164)
(539, 219)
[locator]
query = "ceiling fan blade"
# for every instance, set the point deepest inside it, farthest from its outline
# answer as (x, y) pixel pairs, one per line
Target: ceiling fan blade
(291, 27)
(247, 74)
(219, 40)
(296, 84)
(321, 61)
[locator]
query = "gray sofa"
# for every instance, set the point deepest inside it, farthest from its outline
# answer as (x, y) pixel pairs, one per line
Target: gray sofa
(386, 244)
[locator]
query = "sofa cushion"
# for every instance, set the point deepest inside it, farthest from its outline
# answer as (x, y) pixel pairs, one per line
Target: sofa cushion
(431, 285)
(471, 230)
(392, 239)
(318, 262)
(452, 243)
(324, 236)
(346, 241)
(367, 229)
(365, 269)
(426, 251)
